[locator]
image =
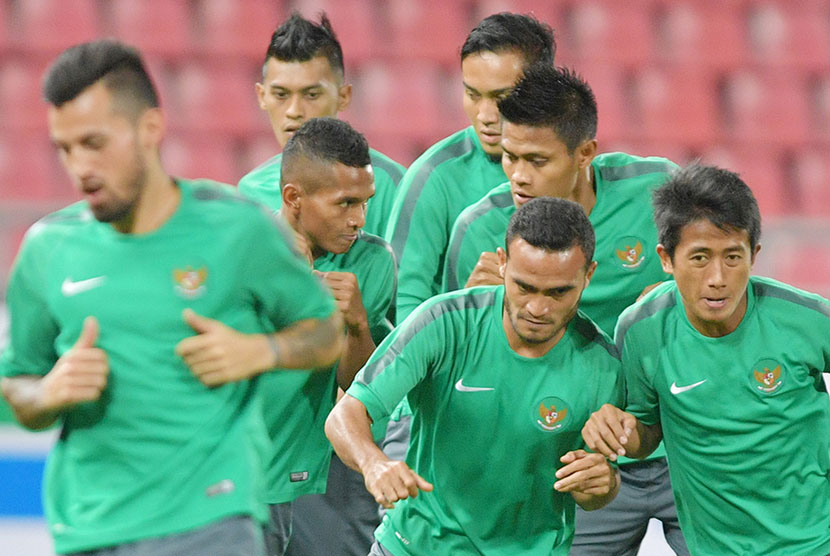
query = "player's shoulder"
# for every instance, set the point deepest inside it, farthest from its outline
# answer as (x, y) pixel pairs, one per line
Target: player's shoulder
(649, 313)
(494, 209)
(781, 300)
(219, 203)
(372, 249)
(588, 337)
(384, 165)
(620, 166)
(463, 304)
(265, 172)
(445, 155)
(64, 221)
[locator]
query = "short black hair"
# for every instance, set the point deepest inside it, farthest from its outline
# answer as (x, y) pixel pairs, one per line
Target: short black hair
(323, 141)
(118, 66)
(552, 224)
(507, 31)
(300, 40)
(553, 97)
(698, 192)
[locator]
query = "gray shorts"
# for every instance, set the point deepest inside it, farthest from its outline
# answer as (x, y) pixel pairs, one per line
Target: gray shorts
(379, 550)
(619, 527)
(278, 529)
(234, 536)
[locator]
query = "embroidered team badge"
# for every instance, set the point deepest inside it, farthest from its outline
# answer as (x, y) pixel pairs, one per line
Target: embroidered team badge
(629, 250)
(551, 414)
(190, 282)
(767, 374)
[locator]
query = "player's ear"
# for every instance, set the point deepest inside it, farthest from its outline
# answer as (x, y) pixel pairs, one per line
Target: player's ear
(344, 96)
(755, 253)
(292, 196)
(586, 152)
(151, 127)
(502, 255)
(260, 95)
(665, 259)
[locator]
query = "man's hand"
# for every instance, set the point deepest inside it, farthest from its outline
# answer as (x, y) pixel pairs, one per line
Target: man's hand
(389, 481)
(80, 375)
(346, 292)
(218, 354)
(588, 477)
(486, 271)
(612, 432)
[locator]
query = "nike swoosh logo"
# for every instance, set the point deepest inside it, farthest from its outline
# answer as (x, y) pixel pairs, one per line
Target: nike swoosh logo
(70, 287)
(462, 388)
(675, 389)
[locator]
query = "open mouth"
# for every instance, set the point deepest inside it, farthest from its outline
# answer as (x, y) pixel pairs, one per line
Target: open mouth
(715, 303)
(521, 198)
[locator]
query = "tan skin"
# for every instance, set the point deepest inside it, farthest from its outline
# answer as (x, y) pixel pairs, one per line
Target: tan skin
(325, 205)
(295, 92)
(110, 149)
(711, 267)
(542, 291)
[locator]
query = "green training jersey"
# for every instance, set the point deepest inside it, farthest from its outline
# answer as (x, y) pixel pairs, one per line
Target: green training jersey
(263, 184)
(159, 453)
(488, 426)
(745, 418)
(451, 175)
(296, 403)
(626, 237)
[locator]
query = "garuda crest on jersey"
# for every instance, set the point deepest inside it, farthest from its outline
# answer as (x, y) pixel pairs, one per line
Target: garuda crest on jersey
(189, 281)
(769, 380)
(551, 414)
(629, 251)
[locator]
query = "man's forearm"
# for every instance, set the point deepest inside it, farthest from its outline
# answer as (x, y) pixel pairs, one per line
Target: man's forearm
(358, 347)
(24, 396)
(349, 429)
(308, 344)
(649, 438)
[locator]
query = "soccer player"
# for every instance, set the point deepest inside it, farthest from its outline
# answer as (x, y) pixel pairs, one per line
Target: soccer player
(549, 143)
(137, 317)
(500, 380)
(326, 182)
(303, 78)
(727, 368)
(460, 169)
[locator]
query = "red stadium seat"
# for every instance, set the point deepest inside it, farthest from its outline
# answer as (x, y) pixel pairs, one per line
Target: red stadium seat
(803, 261)
(195, 155)
(356, 25)
(763, 169)
(49, 26)
(231, 28)
(606, 80)
(405, 100)
(767, 107)
(704, 33)
(673, 104)
(606, 30)
(426, 30)
(160, 29)
(21, 101)
(811, 182)
(820, 110)
(29, 168)
(780, 35)
(215, 98)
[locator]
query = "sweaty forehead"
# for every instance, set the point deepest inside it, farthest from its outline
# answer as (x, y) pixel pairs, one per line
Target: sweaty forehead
(488, 71)
(704, 234)
(297, 74)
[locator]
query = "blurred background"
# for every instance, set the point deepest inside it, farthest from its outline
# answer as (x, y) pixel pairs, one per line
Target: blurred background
(740, 83)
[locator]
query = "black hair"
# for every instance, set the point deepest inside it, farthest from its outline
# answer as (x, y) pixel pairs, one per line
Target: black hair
(507, 31)
(699, 192)
(553, 97)
(117, 65)
(300, 40)
(323, 140)
(552, 224)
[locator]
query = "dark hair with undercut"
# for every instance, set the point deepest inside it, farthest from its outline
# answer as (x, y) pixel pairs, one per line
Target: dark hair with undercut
(118, 66)
(553, 97)
(323, 141)
(699, 192)
(300, 40)
(552, 224)
(505, 31)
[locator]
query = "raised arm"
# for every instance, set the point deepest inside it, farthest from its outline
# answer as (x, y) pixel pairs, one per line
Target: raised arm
(613, 432)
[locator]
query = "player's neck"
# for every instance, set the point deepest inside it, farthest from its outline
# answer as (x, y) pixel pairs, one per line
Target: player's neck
(158, 201)
(585, 193)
